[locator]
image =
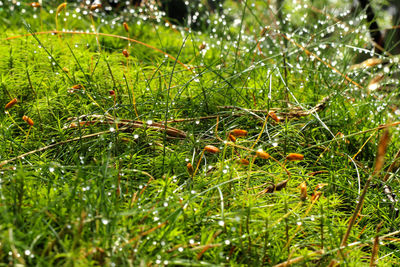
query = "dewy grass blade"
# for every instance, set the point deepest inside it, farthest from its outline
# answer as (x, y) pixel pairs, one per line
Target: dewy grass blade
(167, 103)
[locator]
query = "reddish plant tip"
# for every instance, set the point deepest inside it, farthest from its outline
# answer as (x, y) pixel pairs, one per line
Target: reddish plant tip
(262, 154)
(94, 7)
(315, 196)
(11, 103)
(211, 149)
(126, 27)
(244, 162)
(35, 4)
(202, 46)
(239, 132)
(77, 86)
(281, 185)
(111, 92)
(189, 168)
(28, 120)
(60, 8)
(273, 116)
(303, 191)
(294, 157)
(125, 53)
(232, 138)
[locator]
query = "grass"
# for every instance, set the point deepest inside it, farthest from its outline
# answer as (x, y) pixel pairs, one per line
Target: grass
(103, 176)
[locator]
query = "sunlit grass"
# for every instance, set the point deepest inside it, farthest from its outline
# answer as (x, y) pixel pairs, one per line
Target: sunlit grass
(131, 159)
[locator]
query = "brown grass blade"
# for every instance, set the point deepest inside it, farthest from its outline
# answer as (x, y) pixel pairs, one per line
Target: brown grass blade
(375, 247)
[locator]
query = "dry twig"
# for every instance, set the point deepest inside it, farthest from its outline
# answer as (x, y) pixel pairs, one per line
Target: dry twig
(126, 124)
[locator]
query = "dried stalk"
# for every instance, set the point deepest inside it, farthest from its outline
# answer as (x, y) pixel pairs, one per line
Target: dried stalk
(383, 143)
(375, 247)
(126, 124)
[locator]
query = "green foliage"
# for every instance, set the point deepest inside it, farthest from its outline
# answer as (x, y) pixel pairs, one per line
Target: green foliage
(98, 189)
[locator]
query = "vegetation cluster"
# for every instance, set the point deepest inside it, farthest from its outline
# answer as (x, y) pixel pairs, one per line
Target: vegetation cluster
(264, 135)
